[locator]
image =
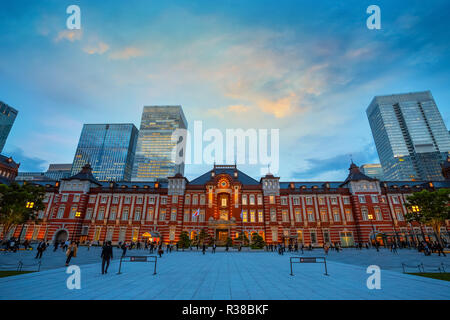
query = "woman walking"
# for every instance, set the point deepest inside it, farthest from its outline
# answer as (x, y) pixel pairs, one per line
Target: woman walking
(71, 252)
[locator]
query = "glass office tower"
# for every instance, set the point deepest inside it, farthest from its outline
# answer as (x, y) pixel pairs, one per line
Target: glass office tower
(7, 117)
(373, 170)
(153, 159)
(109, 149)
(410, 135)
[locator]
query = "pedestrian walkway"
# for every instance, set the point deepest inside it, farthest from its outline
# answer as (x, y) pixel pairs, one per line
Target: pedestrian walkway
(225, 276)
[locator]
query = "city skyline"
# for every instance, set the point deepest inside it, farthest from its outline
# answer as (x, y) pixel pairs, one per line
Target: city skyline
(247, 70)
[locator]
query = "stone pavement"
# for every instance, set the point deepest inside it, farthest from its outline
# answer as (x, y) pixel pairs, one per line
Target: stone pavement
(231, 275)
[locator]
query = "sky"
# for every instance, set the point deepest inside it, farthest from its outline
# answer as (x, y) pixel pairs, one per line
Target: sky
(307, 68)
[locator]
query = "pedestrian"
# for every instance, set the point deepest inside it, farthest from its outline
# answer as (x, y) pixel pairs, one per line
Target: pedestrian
(89, 245)
(55, 245)
(107, 255)
(124, 249)
(71, 252)
(204, 248)
(40, 249)
(214, 248)
(160, 251)
(440, 249)
(325, 249)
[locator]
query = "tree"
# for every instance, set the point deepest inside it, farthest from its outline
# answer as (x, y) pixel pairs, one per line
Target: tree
(19, 204)
(229, 242)
(202, 236)
(429, 208)
(243, 239)
(257, 241)
(184, 241)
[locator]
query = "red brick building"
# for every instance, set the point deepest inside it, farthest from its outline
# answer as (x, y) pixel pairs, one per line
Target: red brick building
(228, 203)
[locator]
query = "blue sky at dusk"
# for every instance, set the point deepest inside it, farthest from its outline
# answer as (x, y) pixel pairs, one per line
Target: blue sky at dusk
(309, 68)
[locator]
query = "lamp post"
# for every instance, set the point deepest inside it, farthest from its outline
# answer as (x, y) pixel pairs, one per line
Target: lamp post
(370, 216)
(416, 210)
(29, 205)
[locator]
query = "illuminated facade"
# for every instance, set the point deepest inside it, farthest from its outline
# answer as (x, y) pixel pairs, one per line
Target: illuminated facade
(109, 149)
(7, 117)
(153, 159)
(229, 203)
(410, 136)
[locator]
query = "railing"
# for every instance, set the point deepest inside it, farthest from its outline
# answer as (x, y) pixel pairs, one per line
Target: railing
(153, 259)
(298, 259)
(421, 267)
(20, 266)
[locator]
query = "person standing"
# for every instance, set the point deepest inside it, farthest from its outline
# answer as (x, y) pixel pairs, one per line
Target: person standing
(107, 255)
(71, 252)
(40, 249)
(214, 248)
(204, 248)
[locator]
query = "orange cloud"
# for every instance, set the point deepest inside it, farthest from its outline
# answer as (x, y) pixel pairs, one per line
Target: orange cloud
(127, 53)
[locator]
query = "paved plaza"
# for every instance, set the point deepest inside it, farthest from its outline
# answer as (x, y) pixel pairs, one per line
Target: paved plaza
(190, 275)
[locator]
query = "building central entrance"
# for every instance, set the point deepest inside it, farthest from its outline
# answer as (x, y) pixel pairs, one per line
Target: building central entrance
(221, 236)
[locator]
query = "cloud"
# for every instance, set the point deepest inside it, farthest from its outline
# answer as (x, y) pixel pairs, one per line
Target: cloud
(127, 53)
(70, 35)
(99, 48)
(335, 167)
(27, 163)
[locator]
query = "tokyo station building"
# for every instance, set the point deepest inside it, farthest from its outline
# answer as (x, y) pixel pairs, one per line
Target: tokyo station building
(229, 202)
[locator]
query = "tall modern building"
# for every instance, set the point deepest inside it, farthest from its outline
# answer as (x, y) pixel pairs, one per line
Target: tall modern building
(410, 136)
(153, 159)
(109, 149)
(7, 117)
(373, 170)
(58, 171)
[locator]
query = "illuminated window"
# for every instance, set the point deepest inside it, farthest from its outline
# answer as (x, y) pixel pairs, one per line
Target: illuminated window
(244, 216)
(310, 215)
(284, 215)
(271, 199)
(348, 214)
(336, 215)
(260, 216)
(298, 215)
(252, 216)
(323, 215)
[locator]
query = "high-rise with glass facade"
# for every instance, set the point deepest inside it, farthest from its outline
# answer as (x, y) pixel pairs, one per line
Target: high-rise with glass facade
(153, 158)
(109, 149)
(7, 117)
(410, 135)
(373, 170)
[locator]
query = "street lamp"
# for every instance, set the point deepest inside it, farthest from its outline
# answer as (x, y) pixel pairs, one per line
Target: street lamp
(416, 210)
(370, 216)
(29, 205)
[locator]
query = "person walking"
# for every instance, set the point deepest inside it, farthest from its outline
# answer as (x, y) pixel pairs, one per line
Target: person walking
(214, 248)
(71, 252)
(204, 249)
(40, 249)
(160, 251)
(107, 255)
(440, 249)
(124, 249)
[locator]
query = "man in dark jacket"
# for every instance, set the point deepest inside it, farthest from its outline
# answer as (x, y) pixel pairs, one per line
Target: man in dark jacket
(40, 249)
(107, 255)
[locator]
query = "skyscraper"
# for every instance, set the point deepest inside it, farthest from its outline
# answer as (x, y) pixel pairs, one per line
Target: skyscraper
(373, 170)
(7, 117)
(109, 149)
(153, 159)
(410, 135)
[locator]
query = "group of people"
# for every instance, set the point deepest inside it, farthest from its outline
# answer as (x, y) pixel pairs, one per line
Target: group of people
(13, 244)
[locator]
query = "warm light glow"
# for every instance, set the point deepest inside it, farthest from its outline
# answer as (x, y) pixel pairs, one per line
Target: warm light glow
(370, 216)
(78, 214)
(30, 205)
(415, 208)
